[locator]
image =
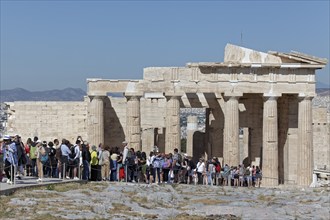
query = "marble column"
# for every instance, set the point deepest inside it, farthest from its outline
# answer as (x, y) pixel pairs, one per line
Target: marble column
(231, 132)
(133, 122)
(173, 130)
(270, 142)
(191, 128)
(96, 120)
(305, 141)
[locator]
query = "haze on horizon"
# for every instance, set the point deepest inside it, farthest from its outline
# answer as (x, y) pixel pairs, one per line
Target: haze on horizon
(58, 44)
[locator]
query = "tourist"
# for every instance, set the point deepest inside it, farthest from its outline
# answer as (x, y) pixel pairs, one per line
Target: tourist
(248, 176)
(58, 156)
(21, 156)
(75, 159)
(253, 175)
(9, 152)
(86, 158)
(33, 156)
(94, 163)
(211, 172)
(166, 166)
(41, 158)
(150, 170)
(143, 162)
(258, 176)
(28, 166)
(200, 168)
(104, 162)
(113, 163)
(65, 152)
(52, 160)
(176, 164)
(225, 175)
(236, 176)
(156, 164)
(125, 159)
(46, 163)
(131, 165)
(190, 169)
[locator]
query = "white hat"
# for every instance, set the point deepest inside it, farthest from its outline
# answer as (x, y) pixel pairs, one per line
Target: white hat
(124, 142)
(7, 137)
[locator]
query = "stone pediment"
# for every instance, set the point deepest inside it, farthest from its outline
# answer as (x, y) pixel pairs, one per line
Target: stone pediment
(237, 54)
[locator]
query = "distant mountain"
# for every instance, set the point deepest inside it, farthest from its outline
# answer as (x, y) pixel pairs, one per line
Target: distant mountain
(19, 94)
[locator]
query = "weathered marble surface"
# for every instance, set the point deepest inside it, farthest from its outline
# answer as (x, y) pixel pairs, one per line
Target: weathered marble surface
(140, 201)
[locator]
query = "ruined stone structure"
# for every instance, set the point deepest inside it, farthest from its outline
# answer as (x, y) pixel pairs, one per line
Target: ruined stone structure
(266, 96)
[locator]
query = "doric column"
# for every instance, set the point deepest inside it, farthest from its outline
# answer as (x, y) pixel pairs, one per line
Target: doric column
(173, 130)
(305, 141)
(96, 120)
(133, 122)
(270, 142)
(191, 128)
(231, 132)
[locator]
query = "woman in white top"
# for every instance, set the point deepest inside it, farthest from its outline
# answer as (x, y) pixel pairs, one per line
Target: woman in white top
(200, 168)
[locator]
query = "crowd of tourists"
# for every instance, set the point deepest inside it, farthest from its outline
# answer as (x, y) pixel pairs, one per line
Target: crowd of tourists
(78, 160)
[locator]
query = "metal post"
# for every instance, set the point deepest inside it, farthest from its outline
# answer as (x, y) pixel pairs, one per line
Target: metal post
(79, 176)
(64, 172)
(125, 172)
(14, 174)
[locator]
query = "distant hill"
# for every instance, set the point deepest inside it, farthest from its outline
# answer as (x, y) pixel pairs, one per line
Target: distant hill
(69, 94)
(18, 94)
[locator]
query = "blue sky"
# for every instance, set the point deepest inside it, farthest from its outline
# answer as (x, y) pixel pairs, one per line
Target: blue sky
(58, 44)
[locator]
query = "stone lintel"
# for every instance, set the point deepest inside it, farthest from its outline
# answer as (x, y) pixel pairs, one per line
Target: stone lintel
(233, 94)
(174, 94)
(274, 95)
(132, 94)
(306, 95)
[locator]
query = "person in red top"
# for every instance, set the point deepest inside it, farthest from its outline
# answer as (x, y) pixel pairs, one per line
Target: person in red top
(28, 166)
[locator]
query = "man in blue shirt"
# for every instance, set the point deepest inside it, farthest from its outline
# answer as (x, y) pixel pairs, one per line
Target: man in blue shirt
(9, 158)
(65, 157)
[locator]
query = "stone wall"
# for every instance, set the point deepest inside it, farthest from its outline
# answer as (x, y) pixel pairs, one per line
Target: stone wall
(47, 120)
(321, 138)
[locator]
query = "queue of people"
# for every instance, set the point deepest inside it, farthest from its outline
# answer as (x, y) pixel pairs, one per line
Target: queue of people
(102, 163)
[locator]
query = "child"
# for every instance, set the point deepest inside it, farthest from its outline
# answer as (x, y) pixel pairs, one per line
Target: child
(195, 177)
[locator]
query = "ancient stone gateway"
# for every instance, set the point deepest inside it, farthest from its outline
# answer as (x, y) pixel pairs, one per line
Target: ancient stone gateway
(268, 96)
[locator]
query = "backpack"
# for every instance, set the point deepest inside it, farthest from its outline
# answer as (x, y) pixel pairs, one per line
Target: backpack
(58, 153)
(43, 156)
(247, 172)
(218, 168)
(73, 152)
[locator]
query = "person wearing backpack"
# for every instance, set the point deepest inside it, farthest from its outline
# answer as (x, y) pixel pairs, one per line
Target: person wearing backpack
(52, 160)
(42, 157)
(74, 158)
(176, 164)
(33, 157)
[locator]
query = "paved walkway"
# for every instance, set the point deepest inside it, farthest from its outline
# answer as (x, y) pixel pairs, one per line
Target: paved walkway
(25, 182)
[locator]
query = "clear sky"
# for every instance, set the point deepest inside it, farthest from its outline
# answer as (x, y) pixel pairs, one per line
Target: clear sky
(58, 44)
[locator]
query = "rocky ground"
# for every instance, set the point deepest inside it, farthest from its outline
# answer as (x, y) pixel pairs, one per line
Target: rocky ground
(139, 201)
